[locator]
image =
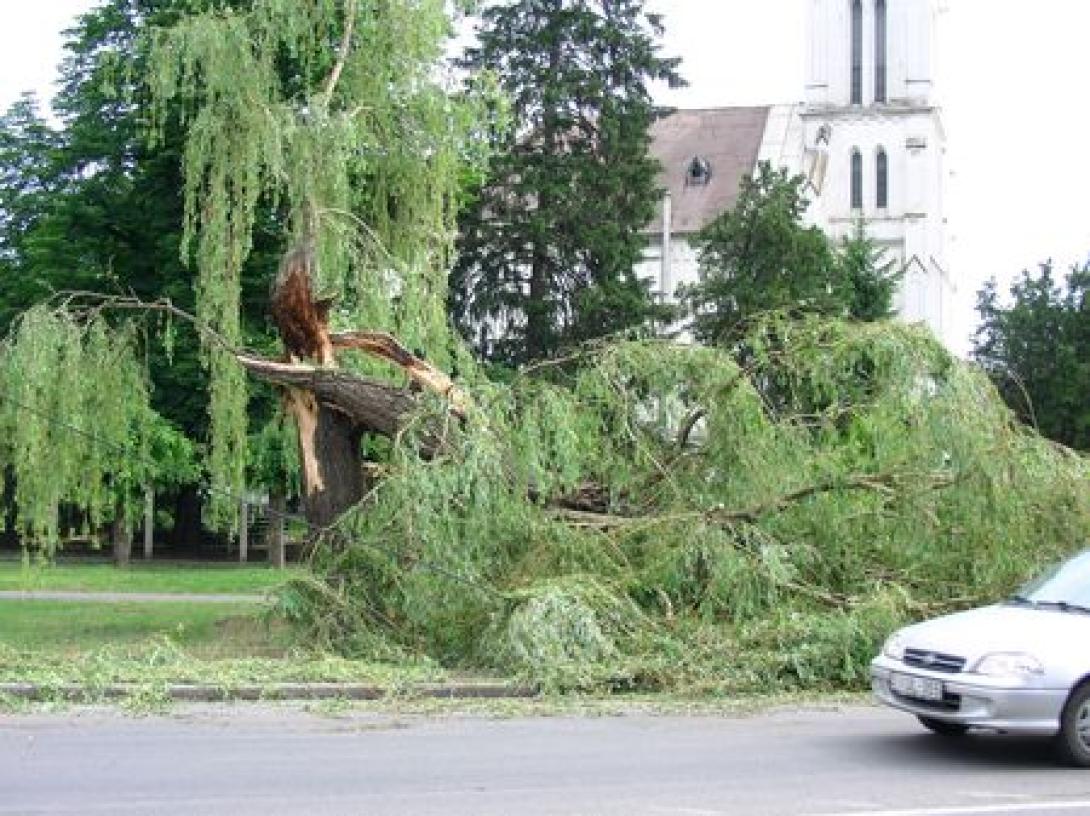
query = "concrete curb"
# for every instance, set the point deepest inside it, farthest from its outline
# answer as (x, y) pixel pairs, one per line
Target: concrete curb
(198, 693)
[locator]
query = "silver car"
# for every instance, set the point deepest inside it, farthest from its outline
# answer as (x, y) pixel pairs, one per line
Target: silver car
(1021, 666)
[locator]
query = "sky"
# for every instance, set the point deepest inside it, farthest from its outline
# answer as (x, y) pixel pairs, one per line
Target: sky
(1010, 82)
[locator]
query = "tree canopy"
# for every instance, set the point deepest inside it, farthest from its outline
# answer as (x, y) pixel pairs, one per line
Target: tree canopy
(652, 521)
(1036, 349)
(548, 245)
(331, 112)
(759, 256)
(636, 514)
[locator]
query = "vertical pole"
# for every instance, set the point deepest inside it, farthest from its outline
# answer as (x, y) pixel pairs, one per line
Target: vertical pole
(277, 505)
(666, 275)
(244, 532)
(149, 521)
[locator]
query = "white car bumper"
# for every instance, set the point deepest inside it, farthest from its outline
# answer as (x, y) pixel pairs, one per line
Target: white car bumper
(997, 703)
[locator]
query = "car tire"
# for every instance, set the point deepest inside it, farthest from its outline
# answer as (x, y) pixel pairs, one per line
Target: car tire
(943, 728)
(1073, 741)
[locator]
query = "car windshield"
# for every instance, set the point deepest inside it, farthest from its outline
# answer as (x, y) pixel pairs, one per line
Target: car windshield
(1065, 585)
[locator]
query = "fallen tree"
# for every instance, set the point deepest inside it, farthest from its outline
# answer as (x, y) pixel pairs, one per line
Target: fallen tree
(640, 514)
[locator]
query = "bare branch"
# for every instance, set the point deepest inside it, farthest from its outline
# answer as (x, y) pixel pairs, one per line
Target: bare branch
(342, 52)
(883, 483)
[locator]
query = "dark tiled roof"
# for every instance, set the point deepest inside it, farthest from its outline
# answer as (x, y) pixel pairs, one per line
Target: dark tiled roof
(729, 139)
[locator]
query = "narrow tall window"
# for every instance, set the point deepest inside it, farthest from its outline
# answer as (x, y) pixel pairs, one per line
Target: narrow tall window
(880, 51)
(882, 168)
(857, 180)
(857, 52)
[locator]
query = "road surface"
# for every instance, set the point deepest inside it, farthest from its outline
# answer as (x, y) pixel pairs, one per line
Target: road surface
(264, 760)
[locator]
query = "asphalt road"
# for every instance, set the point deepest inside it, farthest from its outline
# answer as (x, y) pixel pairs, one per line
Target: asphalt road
(825, 761)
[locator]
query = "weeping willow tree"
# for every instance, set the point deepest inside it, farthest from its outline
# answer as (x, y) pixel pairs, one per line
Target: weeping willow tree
(79, 441)
(331, 112)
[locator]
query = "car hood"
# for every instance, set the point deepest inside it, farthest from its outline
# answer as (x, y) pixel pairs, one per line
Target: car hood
(1044, 633)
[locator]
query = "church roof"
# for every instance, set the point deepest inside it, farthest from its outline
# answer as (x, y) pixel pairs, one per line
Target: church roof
(704, 155)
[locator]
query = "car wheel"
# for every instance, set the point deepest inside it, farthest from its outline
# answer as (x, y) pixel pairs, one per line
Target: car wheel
(1073, 741)
(946, 729)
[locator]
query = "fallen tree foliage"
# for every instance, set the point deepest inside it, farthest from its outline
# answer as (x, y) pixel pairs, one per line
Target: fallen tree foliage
(581, 528)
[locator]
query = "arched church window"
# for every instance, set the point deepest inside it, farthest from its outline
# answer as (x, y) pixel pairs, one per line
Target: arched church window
(880, 43)
(857, 52)
(882, 171)
(857, 180)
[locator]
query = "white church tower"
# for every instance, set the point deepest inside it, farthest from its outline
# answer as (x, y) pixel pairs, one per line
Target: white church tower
(868, 136)
(874, 143)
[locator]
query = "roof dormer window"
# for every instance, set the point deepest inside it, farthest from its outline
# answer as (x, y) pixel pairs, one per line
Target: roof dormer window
(699, 172)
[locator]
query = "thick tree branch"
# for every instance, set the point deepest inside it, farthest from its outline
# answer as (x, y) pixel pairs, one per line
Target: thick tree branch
(386, 347)
(376, 406)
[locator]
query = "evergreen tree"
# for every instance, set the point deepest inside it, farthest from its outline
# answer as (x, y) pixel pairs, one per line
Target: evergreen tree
(28, 155)
(1037, 350)
(759, 257)
(873, 279)
(548, 248)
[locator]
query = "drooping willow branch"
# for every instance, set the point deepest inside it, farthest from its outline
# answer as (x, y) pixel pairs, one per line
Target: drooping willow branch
(883, 483)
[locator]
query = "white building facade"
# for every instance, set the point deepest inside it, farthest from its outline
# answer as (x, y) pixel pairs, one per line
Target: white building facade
(868, 137)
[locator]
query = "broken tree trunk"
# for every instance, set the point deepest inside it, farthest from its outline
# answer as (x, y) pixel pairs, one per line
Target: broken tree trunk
(333, 408)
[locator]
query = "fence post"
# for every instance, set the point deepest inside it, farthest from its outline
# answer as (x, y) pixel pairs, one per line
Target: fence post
(277, 505)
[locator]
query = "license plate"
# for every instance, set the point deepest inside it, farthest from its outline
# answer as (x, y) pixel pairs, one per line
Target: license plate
(918, 688)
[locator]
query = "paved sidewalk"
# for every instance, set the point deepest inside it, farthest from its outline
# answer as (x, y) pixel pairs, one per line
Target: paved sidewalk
(126, 597)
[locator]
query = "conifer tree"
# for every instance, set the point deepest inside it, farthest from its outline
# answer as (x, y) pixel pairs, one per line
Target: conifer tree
(548, 247)
(873, 277)
(759, 257)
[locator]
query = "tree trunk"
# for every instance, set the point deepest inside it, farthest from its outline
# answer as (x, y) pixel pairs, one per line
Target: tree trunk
(329, 449)
(244, 532)
(332, 409)
(121, 538)
(149, 523)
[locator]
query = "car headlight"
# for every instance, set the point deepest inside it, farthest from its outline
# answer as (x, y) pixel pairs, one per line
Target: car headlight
(894, 647)
(1009, 664)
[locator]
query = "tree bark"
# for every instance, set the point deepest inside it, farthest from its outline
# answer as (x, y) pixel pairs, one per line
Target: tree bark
(149, 523)
(244, 532)
(121, 538)
(333, 409)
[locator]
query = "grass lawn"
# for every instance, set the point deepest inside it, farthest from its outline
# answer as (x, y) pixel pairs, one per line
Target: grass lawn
(96, 643)
(152, 644)
(67, 628)
(227, 578)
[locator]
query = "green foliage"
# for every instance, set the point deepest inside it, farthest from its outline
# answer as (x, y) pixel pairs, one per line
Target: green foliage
(330, 111)
(758, 257)
(77, 429)
(654, 519)
(873, 279)
(1037, 350)
(28, 153)
(548, 247)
